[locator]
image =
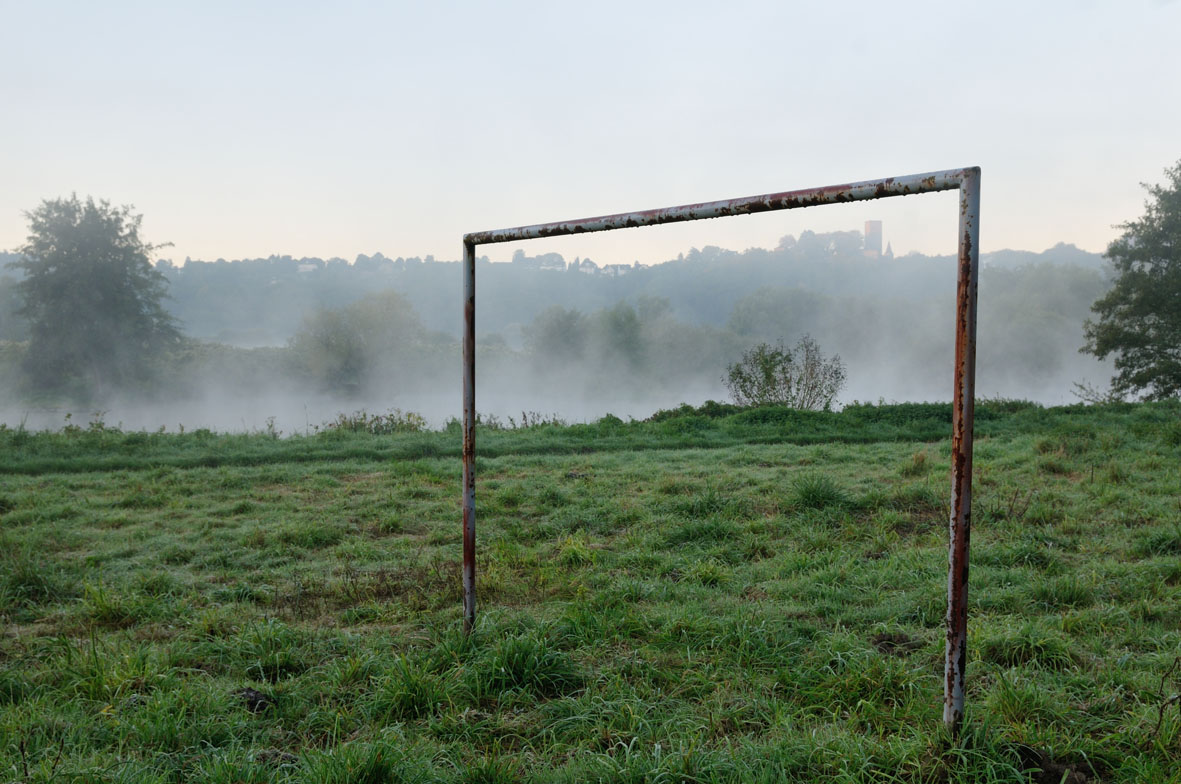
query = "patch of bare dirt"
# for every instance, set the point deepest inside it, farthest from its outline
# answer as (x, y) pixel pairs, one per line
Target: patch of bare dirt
(1044, 770)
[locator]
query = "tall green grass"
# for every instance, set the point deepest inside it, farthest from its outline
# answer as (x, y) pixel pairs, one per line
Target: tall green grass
(712, 595)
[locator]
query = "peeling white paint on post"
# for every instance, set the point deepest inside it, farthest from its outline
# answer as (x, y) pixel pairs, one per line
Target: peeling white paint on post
(747, 205)
(963, 417)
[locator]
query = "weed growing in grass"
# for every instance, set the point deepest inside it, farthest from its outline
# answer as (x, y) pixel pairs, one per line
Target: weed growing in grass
(918, 499)
(393, 421)
(407, 691)
(708, 572)
(704, 504)
(1161, 540)
(1028, 552)
(492, 770)
(1021, 700)
(271, 651)
(361, 762)
(817, 491)
(1043, 512)
(1028, 643)
(314, 535)
(917, 465)
(109, 608)
(27, 579)
(702, 531)
(1116, 472)
(526, 661)
(1064, 591)
(575, 551)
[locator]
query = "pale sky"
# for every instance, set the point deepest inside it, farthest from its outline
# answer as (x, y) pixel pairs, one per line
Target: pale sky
(244, 129)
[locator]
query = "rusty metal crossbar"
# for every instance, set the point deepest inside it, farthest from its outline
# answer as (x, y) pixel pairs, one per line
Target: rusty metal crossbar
(968, 182)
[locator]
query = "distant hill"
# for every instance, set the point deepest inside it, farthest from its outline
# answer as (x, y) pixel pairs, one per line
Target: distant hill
(262, 301)
(1062, 253)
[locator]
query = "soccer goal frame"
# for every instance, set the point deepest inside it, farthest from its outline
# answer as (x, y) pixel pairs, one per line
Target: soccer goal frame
(967, 181)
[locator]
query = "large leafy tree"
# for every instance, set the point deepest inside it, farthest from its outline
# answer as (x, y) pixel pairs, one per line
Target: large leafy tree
(92, 300)
(1139, 320)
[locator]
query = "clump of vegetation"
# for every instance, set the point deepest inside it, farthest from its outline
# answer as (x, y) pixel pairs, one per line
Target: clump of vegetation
(528, 420)
(393, 421)
(816, 490)
(918, 465)
(1029, 643)
(775, 375)
(526, 661)
(27, 578)
(407, 692)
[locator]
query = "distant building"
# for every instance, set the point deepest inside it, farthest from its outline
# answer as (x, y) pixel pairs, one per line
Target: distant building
(546, 261)
(873, 239)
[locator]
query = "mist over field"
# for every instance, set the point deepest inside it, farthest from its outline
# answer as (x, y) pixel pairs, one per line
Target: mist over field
(284, 344)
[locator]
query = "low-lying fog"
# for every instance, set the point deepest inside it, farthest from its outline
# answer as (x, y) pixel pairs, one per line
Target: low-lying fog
(292, 413)
(289, 346)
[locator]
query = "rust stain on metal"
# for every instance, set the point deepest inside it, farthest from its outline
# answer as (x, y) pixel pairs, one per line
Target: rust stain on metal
(963, 405)
(786, 200)
(469, 436)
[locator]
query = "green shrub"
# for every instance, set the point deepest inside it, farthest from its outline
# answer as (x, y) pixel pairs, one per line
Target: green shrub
(707, 530)
(708, 503)
(27, 579)
(817, 491)
(311, 535)
(527, 662)
(1163, 540)
(1028, 644)
(1065, 591)
(407, 692)
(366, 763)
(917, 466)
(272, 651)
(392, 421)
(775, 375)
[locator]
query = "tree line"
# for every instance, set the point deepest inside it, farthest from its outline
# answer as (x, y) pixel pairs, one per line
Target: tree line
(84, 313)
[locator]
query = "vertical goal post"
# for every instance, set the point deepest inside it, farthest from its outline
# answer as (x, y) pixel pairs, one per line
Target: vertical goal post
(967, 181)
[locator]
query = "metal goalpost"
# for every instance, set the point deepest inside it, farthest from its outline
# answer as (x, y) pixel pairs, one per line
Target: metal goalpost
(967, 181)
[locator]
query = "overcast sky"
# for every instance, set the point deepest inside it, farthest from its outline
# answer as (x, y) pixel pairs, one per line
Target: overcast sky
(244, 129)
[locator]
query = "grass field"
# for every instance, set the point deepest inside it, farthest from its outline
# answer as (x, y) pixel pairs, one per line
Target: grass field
(714, 595)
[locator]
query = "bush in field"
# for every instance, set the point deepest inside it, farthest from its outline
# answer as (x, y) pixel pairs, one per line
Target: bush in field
(393, 421)
(347, 349)
(798, 378)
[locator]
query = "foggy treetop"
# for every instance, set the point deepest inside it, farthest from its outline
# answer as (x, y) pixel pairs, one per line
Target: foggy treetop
(262, 301)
